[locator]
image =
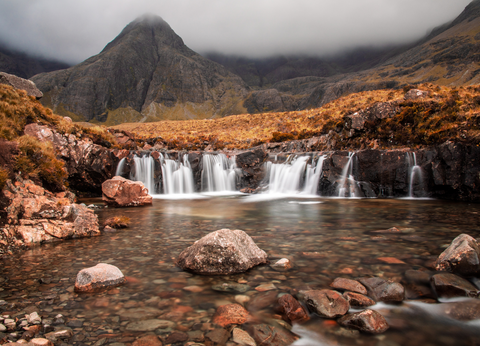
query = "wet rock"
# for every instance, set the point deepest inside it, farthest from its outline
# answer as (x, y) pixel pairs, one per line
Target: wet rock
(149, 340)
(417, 276)
(217, 337)
(41, 342)
(291, 309)
(196, 335)
(368, 321)
(461, 257)
(348, 285)
(121, 192)
(326, 303)
(266, 287)
(262, 300)
(231, 314)
(61, 334)
(176, 337)
(241, 337)
(149, 325)
(34, 318)
(282, 265)
(447, 285)
(222, 252)
(358, 300)
(231, 287)
(98, 277)
(382, 290)
(264, 334)
(21, 83)
(465, 310)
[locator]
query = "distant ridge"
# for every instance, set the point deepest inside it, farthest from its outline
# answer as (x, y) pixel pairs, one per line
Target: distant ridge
(145, 73)
(24, 65)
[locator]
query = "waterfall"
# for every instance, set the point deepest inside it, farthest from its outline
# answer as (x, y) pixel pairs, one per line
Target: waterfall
(293, 176)
(348, 187)
(219, 173)
(415, 172)
(313, 176)
(177, 176)
(120, 167)
(144, 172)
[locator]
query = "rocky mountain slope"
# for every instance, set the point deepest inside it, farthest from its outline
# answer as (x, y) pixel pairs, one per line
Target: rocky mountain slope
(448, 56)
(145, 73)
(24, 65)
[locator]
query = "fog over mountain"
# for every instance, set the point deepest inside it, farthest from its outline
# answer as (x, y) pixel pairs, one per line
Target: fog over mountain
(72, 31)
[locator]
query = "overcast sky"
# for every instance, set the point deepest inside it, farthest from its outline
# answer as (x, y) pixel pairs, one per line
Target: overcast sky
(73, 30)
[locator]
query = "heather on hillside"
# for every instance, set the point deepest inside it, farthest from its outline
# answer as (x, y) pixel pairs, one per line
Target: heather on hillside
(446, 114)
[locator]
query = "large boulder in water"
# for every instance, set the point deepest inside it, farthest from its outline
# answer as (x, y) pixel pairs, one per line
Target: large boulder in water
(121, 192)
(101, 276)
(461, 257)
(222, 252)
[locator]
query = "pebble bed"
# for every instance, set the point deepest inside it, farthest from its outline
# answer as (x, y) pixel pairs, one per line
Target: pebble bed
(323, 238)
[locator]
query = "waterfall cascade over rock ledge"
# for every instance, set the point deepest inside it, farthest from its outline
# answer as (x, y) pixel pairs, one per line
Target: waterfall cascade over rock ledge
(447, 171)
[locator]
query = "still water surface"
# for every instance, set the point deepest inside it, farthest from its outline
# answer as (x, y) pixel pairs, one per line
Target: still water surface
(325, 239)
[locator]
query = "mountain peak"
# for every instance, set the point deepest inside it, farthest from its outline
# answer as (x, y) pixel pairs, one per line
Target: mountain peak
(148, 26)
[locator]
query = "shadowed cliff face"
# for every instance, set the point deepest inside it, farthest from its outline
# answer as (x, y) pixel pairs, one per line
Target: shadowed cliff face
(146, 71)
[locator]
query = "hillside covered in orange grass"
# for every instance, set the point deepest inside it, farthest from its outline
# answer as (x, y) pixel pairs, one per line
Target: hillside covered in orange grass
(445, 114)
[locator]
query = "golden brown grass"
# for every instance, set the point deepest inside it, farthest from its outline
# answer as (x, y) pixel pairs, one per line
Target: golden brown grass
(447, 114)
(248, 130)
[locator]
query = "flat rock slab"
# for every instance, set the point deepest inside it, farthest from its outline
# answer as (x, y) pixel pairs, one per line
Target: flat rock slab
(448, 285)
(264, 334)
(461, 257)
(21, 83)
(222, 252)
(368, 321)
(348, 285)
(101, 276)
(382, 290)
(326, 303)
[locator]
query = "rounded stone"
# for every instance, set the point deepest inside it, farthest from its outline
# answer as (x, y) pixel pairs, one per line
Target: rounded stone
(100, 276)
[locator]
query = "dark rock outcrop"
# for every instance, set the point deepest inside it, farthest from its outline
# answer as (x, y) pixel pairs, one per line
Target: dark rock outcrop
(222, 252)
(326, 303)
(121, 192)
(98, 277)
(20, 83)
(447, 285)
(348, 285)
(368, 321)
(461, 257)
(146, 71)
(382, 290)
(291, 309)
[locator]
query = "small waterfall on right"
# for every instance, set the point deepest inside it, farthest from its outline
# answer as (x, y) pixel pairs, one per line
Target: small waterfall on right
(415, 173)
(348, 187)
(219, 173)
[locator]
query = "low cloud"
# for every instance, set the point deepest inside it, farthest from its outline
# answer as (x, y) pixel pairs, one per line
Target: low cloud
(72, 31)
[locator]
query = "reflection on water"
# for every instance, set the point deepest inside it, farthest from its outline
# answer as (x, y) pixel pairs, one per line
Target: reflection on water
(324, 240)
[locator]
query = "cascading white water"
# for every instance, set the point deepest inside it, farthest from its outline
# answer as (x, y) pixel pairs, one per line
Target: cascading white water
(348, 187)
(219, 173)
(294, 176)
(120, 167)
(144, 172)
(177, 177)
(415, 173)
(313, 176)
